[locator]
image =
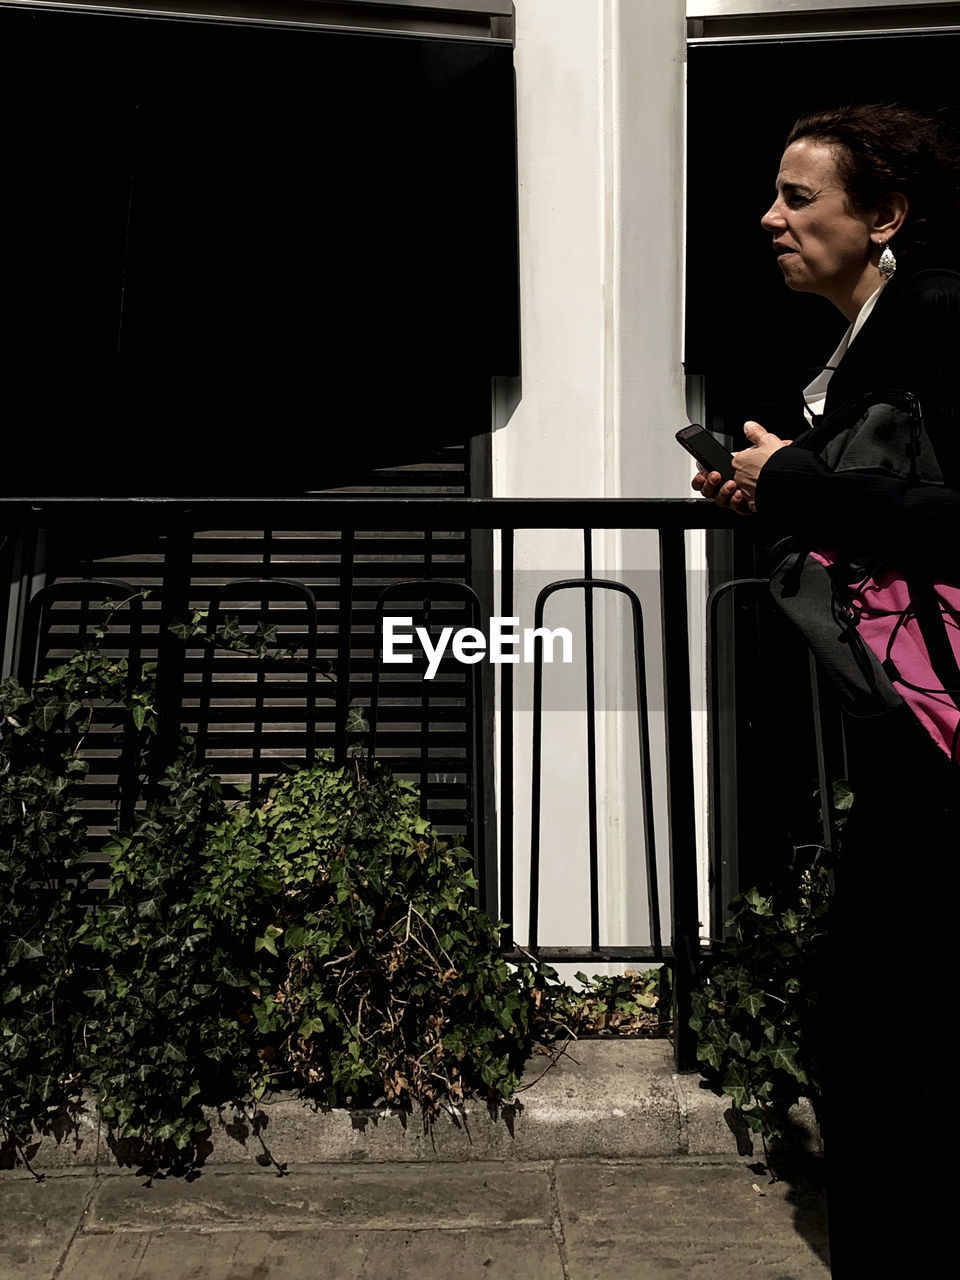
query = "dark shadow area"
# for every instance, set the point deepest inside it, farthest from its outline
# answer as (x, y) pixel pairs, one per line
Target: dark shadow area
(166, 434)
(805, 1177)
(155, 1158)
(249, 259)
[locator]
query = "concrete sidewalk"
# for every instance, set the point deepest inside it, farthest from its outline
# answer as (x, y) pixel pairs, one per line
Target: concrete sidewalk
(615, 1166)
(565, 1220)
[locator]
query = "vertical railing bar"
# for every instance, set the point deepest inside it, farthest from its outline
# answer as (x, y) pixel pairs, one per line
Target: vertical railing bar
(260, 684)
(474, 827)
(424, 697)
(29, 656)
(348, 538)
(11, 555)
(309, 684)
(506, 738)
(680, 793)
(714, 801)
(535, 776)
(476, 794)
(646, 775)
(378, 613)
(127, 780)
(310, 691)
(171, 650)
(592, 835)
(13, 564)
(828, 821)
(14, 560)
(86, 574)
(723, 878)
(205, 700)
(475, 775)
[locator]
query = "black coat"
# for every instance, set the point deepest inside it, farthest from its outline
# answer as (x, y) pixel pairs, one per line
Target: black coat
(910, 342)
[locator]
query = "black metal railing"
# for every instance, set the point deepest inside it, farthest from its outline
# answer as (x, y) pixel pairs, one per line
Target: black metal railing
(176, 520)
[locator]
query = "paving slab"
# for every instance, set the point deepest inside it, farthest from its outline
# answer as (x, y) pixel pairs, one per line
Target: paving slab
(324, 1254)
(400, 1196)
(413, 1221)
(658, 1220)
(37, 1222)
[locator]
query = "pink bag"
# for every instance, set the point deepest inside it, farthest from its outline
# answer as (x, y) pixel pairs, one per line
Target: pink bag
(887, 622)
(885, 637)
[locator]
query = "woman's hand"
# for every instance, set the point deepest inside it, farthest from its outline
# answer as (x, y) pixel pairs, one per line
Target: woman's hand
(739, 494)
(724, 493)
(748, 463)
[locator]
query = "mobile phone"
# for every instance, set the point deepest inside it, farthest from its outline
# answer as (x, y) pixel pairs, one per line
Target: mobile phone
(707, 449)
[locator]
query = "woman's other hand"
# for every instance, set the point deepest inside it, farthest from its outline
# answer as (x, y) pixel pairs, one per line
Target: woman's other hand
(724, 493)
(748, 463)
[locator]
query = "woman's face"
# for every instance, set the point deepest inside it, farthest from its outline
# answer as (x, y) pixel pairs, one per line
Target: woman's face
(822, 246)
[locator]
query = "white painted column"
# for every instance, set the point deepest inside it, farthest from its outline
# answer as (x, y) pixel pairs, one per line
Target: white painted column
(601, 121)
(646, 397)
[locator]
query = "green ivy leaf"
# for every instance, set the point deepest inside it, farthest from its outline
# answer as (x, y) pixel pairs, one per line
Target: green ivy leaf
(738, 1045)
(783, 1057)
(46, 715)
(22, 949)
(751, 1002)
(710, 1053)
(737, 1084)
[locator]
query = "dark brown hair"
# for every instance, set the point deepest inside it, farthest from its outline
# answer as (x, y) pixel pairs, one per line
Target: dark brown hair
(882, 147)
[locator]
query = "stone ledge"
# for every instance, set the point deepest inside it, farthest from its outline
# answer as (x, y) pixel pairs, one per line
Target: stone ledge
(617, 1099)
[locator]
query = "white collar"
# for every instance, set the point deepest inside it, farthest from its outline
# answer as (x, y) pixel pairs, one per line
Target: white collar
(815, 393)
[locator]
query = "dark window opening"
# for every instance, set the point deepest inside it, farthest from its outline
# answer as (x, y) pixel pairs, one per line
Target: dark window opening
(250, 257)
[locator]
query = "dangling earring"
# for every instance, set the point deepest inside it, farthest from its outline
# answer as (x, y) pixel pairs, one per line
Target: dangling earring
(888, 263)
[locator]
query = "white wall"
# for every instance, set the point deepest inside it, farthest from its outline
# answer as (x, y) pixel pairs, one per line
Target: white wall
(601, 129)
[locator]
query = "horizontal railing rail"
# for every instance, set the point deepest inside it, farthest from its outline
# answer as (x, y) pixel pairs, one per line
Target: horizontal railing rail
(325, 512)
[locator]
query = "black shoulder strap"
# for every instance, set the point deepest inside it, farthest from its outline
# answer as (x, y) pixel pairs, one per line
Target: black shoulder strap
(929, 614)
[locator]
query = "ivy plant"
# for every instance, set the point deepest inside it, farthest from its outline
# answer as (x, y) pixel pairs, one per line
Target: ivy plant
(629, 1004)
(44, 877)
(374, 977)
(324, 938)
(161, 1035)
(756, 1012)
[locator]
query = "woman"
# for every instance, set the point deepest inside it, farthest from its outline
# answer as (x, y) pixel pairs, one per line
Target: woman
(865, 215)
